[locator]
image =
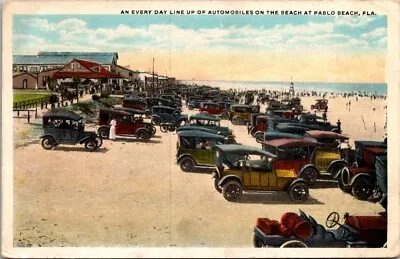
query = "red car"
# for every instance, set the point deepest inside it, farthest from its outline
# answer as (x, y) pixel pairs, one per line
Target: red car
(127, 124)
(211, 108)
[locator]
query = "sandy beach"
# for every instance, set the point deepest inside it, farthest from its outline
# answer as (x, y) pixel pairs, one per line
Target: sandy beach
(133, 194)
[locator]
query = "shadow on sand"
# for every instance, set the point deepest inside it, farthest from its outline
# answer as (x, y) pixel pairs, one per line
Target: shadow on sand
(133, 140)
(80, 148)
(324, 184)
(201, 170)
(273, 198)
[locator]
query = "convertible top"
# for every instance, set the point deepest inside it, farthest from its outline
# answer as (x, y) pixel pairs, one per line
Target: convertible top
(66, 115)
(199, 133)
(243, 150)
(289, 143)
(115, 112)
(320, 134)
(130, 110)
(203, 117)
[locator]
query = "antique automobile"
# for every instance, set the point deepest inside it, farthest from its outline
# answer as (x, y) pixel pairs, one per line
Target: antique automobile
(135, 103)
(138, 115)
(127, 124)
(364, 164)
(62, 127)
(314, 122)
(273, 104)
(309, 159)
(293, 104)
(240, 113)
(302, 230)
(197, 148)
(320, 104)
(194, 103)
(362, 181)
(258, 122)
(155, 101)
(206, 121)
(211, 108)
(164, 114)
(253, 169)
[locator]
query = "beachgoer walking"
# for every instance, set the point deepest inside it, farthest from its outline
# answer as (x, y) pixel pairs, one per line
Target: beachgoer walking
(113, 125)
(339, 125)
(349, 105)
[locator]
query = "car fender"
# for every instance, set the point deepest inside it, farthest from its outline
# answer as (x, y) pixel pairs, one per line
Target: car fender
(229, 177)
(156, 116)
(298, 180)
(86, 139)
(336, 162)
(306, 167)
(359, 176)
(102, 127)
(184, 156)
(47, 135)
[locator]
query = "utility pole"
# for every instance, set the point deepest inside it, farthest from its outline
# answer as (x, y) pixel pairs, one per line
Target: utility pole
(152, 82)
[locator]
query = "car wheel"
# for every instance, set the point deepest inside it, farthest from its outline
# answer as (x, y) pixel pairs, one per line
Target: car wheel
(48, 143)
(298, 192)
(104, 133)
(232, 190)
(164, 128)
(217, 188)
(187, 164)
(237, 121)
(294, 244)
(310, 175)
(190, 107)
(155, 120)
(257, 242)
(99, 142)
(335, 169)
(91, 145)
(362, 188)
(224, 116)
(345, 189)
(143, 135)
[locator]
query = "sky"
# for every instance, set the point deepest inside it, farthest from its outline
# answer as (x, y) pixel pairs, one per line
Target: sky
(220, 47)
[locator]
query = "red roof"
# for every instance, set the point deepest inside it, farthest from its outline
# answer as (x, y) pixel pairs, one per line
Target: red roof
(93, 74)
(289, 143)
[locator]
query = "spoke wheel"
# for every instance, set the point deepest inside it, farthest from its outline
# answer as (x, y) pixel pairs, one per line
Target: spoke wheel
(156, 121)
(232, 190)
(310, 175)
(237, 121)
(104, 133)
(362, 189)
(345, 189)
(143, 135)
(298, 192)
(99, 141)
(48, 143)
(187, 164)
(164, 128)
(91, 145)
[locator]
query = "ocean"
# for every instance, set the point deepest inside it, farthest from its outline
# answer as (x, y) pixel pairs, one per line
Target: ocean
(370, 88)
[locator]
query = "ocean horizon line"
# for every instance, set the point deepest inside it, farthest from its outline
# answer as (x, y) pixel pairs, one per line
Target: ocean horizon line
(267, 81)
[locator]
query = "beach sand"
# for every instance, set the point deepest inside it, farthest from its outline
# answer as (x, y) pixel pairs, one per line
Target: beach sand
(133, 194)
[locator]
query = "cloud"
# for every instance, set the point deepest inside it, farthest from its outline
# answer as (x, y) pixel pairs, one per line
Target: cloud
(76, 34)
(376, 33)
(353, 21)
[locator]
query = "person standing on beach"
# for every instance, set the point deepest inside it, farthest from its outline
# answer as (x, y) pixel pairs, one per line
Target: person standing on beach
(113, 125)
(349, 105)
(339, 125)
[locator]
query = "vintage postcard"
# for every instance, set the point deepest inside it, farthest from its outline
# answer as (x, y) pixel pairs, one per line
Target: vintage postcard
(200, 129)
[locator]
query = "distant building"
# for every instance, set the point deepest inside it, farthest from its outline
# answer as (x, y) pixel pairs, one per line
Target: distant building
(49, 60)
(25, 81)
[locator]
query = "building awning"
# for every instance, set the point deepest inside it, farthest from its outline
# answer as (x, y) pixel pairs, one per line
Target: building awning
(89, 75)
